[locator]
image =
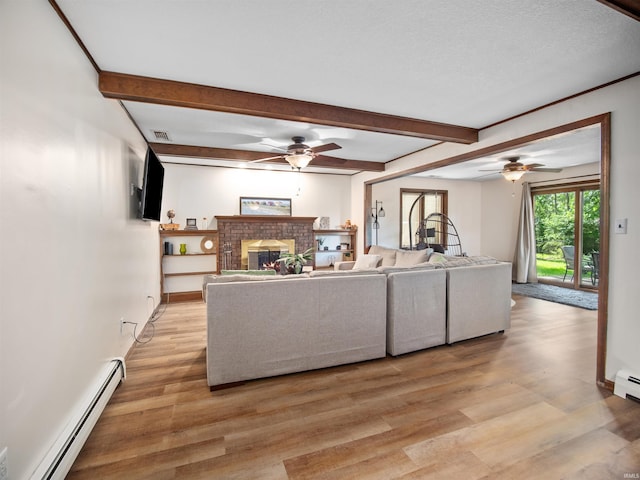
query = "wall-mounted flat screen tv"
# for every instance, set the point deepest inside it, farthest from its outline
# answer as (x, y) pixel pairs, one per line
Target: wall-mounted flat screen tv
(152, 181)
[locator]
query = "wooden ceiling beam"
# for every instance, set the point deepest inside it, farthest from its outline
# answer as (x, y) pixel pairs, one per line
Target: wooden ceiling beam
(630, 8)
(179, 94)
(174, 150)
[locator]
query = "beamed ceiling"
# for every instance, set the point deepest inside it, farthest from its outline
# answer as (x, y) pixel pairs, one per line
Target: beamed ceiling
(226, 83)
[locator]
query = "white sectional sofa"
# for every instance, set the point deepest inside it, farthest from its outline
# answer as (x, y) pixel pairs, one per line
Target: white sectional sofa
(476, 298)
(265, 326)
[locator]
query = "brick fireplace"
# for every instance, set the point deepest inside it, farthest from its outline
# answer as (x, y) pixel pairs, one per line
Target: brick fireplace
(233, 229)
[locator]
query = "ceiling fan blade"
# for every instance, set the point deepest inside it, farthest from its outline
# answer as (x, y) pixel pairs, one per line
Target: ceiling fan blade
(536, 169)
(275, 147)
(265, 159)
(490, 170)
(326, 147)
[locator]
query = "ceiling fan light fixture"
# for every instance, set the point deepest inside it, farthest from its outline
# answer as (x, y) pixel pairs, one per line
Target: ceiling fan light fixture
(513, 175)
(299, 160)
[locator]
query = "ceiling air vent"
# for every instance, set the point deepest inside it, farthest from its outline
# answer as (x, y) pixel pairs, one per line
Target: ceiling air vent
(161, 135)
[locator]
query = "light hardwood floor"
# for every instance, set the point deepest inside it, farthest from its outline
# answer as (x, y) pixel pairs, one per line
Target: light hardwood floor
(513, 406)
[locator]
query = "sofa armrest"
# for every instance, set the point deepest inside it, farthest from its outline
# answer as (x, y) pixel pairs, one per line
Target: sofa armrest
(346, 265)
(208, 278)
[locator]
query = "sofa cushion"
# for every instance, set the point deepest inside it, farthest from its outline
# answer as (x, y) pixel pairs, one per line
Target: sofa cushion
(248, 272)
(344, 265)
(330, 273)
(409, 258)
(388, 255)
(367, 261)
(254, 278)
(444, 261)
(394, 269)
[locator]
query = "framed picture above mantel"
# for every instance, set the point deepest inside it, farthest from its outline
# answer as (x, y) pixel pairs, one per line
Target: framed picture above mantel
(265, 206)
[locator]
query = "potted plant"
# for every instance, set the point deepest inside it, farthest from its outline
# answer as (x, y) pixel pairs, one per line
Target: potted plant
(320, 241)
(294, 261)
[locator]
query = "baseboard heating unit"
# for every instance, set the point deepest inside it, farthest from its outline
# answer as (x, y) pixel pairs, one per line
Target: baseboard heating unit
(627, 385)
(66, 448)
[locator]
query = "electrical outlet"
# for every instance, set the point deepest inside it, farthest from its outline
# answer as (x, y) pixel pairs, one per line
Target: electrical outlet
(4, 467)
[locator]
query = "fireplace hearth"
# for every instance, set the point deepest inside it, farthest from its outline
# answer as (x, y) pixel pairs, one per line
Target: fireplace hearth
(232, 230)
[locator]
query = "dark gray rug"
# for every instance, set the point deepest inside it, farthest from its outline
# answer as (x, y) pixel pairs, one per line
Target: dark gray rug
(566, 296)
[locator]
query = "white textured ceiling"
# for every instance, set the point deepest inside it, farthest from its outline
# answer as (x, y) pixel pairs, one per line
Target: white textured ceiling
(571, 149)
(461, 62)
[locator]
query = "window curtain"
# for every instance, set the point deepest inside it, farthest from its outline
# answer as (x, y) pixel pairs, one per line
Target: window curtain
(524, 261)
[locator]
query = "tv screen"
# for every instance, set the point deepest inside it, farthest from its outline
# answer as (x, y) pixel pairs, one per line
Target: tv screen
(152, 181)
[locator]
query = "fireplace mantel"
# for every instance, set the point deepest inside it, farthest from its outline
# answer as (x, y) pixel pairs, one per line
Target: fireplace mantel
(265, 219)
(232, 229)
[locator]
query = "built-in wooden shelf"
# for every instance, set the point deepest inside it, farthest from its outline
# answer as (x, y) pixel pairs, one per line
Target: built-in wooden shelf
(188, 254)
(347, 253)
(187, 234)
(265, 218)
(335, 251)
(336, 231)
(184, 274)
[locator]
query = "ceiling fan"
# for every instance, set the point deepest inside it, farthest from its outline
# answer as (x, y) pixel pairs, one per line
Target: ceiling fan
(300, 155)
(513, 170)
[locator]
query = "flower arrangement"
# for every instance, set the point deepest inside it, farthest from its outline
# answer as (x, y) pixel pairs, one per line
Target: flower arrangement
(272, 266)
(294, 261)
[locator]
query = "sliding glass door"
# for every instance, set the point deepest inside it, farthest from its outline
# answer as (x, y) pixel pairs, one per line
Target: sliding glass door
(567, 224)
(590, 236)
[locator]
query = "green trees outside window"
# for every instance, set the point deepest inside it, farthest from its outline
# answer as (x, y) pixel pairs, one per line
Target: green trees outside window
(567, 216)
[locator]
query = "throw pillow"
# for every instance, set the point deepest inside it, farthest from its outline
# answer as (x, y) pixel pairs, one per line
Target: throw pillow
(437, 258)
(366, 261)
(388, 255)
(409, 258)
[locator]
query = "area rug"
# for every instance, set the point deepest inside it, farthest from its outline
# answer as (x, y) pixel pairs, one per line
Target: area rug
(551, 293)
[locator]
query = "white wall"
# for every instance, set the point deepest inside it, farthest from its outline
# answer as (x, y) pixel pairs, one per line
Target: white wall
(197, 192)
(73, 262)
(623, 101)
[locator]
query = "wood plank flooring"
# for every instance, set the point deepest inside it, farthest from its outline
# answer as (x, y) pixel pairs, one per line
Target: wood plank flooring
(519, 405)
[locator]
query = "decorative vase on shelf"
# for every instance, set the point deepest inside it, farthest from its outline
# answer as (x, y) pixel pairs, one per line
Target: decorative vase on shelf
(183, 249)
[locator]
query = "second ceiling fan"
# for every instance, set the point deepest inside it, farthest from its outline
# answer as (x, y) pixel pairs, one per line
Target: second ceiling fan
(513, 170)
(300, 155)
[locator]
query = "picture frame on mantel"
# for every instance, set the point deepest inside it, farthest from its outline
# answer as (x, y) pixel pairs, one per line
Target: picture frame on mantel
(265, 206)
